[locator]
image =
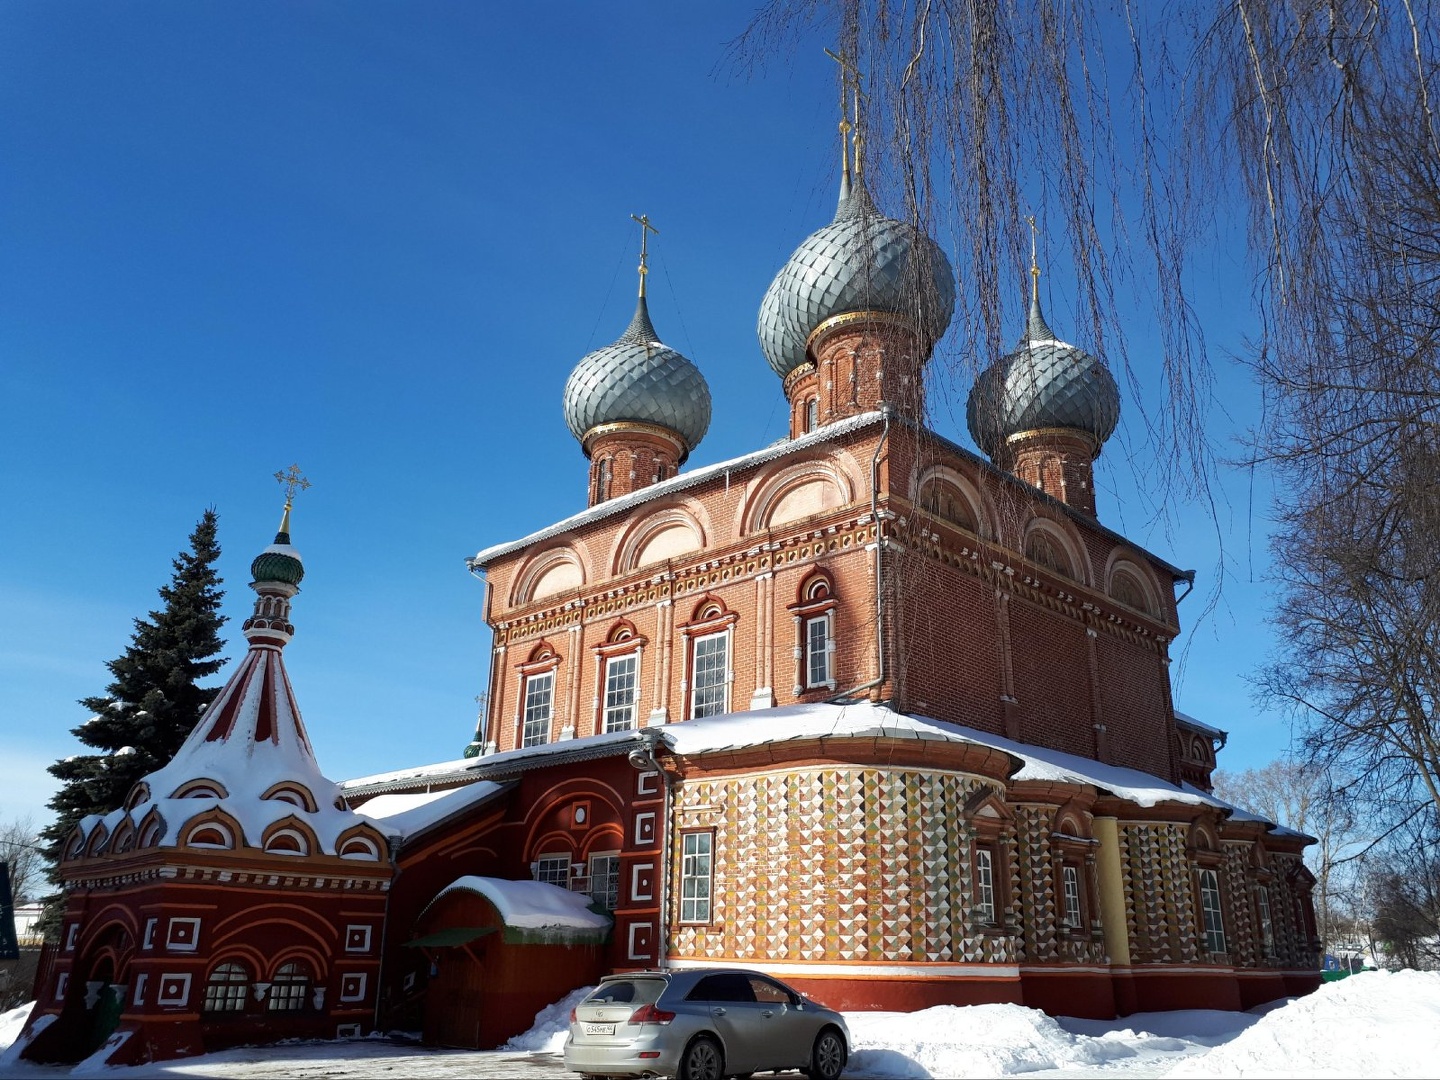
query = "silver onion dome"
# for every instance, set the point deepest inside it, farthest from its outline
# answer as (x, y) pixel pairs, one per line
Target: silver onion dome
(861, 261)
(1044, 383)
(640, 380)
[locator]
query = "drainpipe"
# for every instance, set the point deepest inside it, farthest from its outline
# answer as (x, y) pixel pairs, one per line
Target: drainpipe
(483, 728)
(886, 412)
(643, 758)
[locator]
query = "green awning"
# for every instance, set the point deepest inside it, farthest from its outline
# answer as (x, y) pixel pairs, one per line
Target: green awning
(451, 935)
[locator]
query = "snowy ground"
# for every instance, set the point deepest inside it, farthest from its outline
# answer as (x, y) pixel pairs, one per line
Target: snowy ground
(1372, 1024)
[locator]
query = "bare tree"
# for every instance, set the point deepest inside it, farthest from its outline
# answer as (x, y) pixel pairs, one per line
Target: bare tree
(22, 854)
(1306, 799)
(1130, 129)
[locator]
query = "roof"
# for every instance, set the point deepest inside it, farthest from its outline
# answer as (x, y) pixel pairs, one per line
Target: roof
(1186, 720)
(680, 482)
(793, 723)
(781, 448)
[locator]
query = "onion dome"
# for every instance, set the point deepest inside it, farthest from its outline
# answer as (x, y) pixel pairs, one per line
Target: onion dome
(638, 379)
(1044, 383)
(861, 261)
(279, 561)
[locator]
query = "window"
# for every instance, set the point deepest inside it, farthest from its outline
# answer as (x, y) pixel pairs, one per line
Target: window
(605, 880)
(712, 660)
(985, 886)
(225, 992)
(812, 414)
(602, 480)
(289, 988)
(620, 678)
(1046, 550)
(539, 698)
(695, 877)
(942, 500)
(817, 652)
(553, 869)
(1070, 877)
(1267, 925)
(1210, 911)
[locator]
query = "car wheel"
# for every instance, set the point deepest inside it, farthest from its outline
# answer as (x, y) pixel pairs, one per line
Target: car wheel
(702, 1060)
(827, 1059)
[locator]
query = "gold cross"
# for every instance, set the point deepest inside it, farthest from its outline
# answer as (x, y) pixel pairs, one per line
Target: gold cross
(292, 481)
(1034, 262)
(850, 77)
(645, 229)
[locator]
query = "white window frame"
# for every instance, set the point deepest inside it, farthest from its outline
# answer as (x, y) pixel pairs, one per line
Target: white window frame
(531, 732)
(697, 876)
(289, 988)
(1070, 885)
(723, 684)
(227, 994)
(605, 879)
(1212, 916)
(553, 867)
(621, 715)
(1267, 922)
(825, 654)
(985, 885)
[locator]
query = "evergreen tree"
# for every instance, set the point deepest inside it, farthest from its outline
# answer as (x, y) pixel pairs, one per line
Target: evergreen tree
(156, 697)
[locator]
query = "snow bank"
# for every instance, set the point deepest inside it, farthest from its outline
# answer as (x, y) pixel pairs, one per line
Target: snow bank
(552, 1024)
(971, 1040)
(1376, 1023)
(11, 1022)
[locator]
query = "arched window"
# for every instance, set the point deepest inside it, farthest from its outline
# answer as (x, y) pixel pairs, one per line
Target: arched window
(812, 414)
(289, 988)
(1127, 590)
(226, 988)
(814, 614)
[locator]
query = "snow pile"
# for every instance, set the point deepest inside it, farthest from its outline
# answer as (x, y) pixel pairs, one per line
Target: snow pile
(552, 1024)
(972, 1040)
(11, 1022)
(1376, 1023)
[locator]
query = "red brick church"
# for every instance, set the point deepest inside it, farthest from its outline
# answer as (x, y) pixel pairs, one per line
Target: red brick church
(864, 709)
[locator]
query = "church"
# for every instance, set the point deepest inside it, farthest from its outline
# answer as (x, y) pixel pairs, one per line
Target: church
(865, 709)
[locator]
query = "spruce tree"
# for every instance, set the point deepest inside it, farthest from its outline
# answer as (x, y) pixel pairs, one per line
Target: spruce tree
(156, 697)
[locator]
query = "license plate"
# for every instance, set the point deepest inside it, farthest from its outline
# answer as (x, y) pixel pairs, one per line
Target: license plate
(599, 1029)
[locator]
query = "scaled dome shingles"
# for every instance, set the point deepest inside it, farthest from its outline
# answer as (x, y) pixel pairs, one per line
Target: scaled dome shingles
(861, 261)
(640, 380)
(1042, 384)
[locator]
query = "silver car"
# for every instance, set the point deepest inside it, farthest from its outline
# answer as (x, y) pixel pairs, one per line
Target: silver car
(703, 1025)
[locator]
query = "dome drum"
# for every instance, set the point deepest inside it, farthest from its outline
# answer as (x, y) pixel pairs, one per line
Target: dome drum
(625, 457)
(863, 360)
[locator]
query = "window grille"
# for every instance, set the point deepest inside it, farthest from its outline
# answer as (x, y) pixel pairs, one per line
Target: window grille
(620, 678)
(539, 701)
(695, 877)
(712, 661)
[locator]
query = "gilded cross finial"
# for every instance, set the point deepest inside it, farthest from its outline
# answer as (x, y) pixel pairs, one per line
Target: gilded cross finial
(1034, 261)
(291, 480)
(850, 97)
(645, 229)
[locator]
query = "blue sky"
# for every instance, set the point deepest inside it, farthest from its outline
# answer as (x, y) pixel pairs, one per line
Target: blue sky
(373, 239)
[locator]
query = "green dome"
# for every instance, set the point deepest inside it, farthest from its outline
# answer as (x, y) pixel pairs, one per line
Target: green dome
(278, 562)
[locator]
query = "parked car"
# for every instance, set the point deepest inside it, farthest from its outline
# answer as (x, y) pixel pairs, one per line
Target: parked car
(703, 1025)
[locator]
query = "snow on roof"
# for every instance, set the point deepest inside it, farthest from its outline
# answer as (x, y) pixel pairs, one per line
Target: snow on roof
(1198, 725)
(248, 756)
(1239, 813)
(526, 757)
(533, 905)
(407, 814)
(863, 720)
(679, 483)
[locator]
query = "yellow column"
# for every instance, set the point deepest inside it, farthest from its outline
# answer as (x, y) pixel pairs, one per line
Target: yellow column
(1112, 890)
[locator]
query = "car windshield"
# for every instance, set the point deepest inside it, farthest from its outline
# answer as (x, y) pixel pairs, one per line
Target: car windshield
(626, 992)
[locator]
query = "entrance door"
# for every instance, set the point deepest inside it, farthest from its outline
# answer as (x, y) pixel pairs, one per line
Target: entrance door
(453, 1001)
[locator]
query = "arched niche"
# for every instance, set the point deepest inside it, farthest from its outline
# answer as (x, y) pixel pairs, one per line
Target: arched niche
(1128, 582)
(1048, 544)
(657, 535)
(798, 491)
(947, 494)
(551, 572)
